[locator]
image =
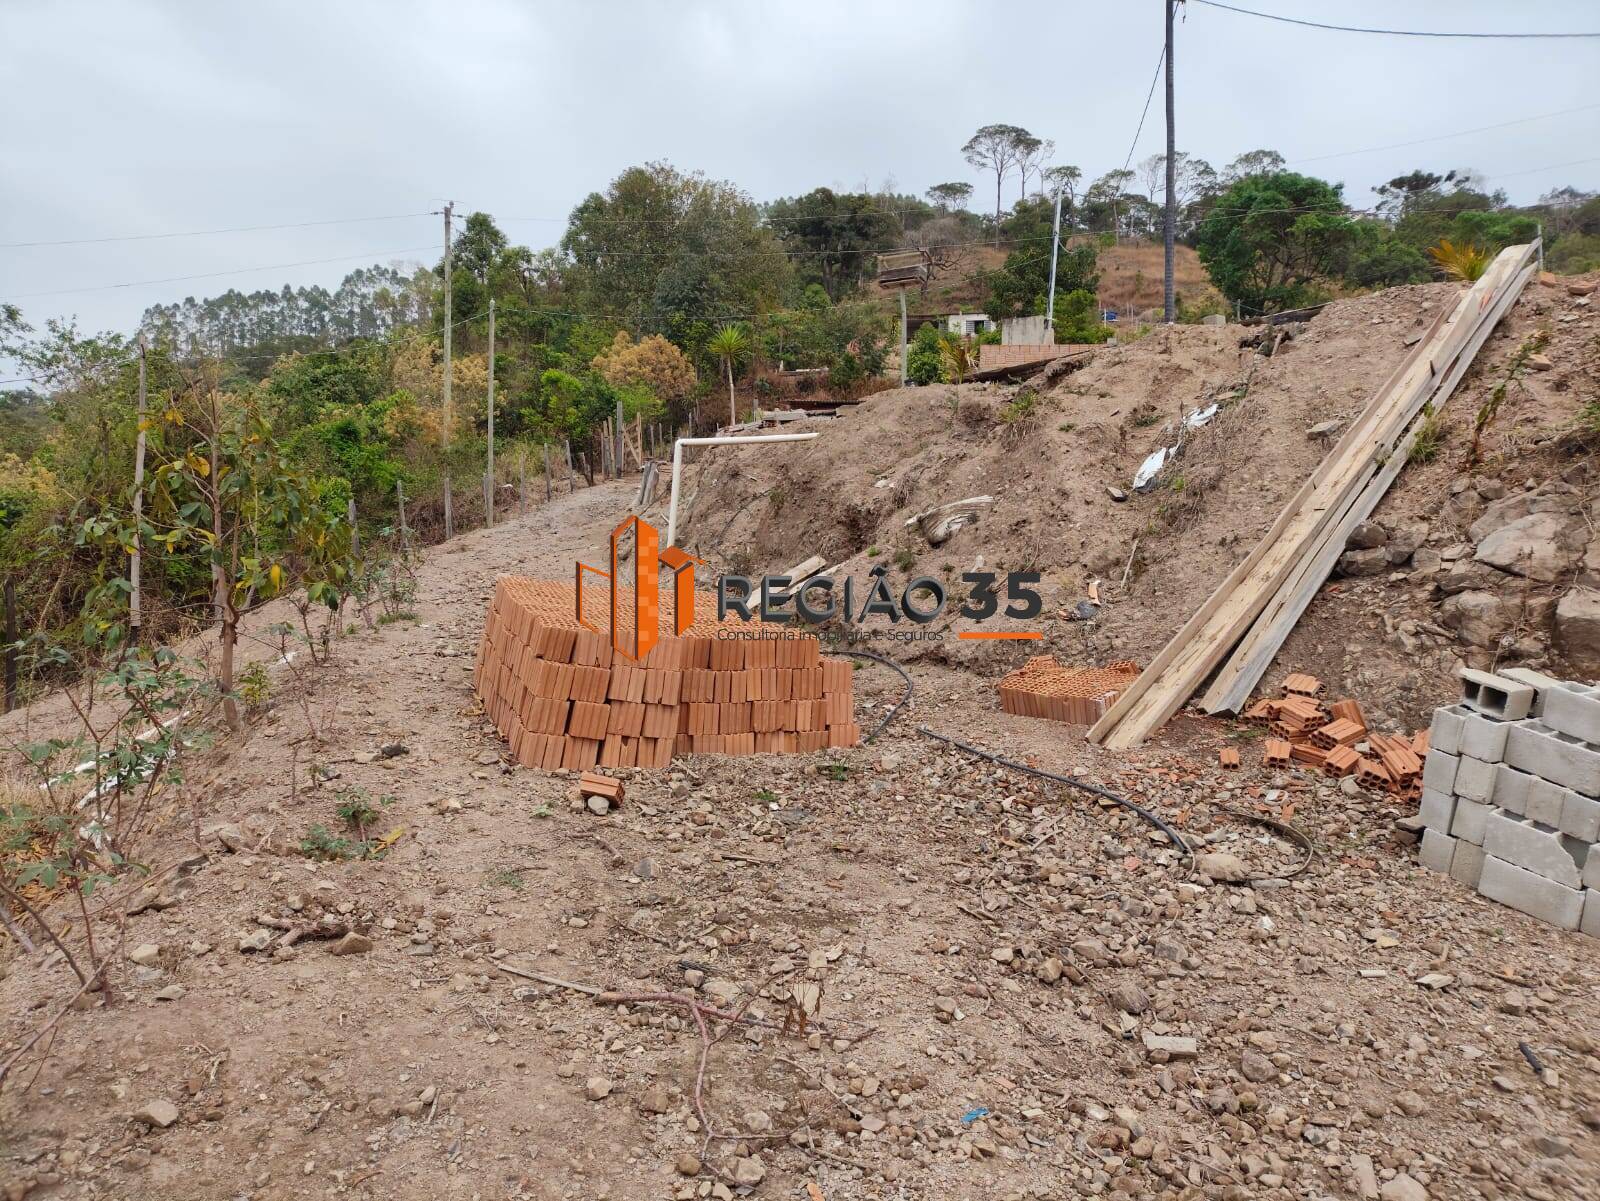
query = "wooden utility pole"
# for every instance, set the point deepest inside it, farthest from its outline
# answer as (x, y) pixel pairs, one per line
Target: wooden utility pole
(449, 408)
(488, 478)
(903, 335)
(1170, 220)
(135, 597)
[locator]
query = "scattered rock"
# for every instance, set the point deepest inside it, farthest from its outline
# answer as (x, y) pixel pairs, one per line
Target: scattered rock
(146, 954)
(656, 1099)
(255, 940)
(352, 944)
(159, 1113)
(598, 805)
(1577, 630)
(597, 1088)
(1128, 997)
(748, 1172)
(1540, 546)
(687, 1164)
(1221, 866)
(1402, 1188)
(1256, 1067)
(172, 992)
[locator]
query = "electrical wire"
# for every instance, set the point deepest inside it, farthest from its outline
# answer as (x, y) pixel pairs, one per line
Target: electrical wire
(1399, 33)
(176, 279)
(1153, 818)
(204, 233)
(1150, 95)
(899, 704)
(1317, 158)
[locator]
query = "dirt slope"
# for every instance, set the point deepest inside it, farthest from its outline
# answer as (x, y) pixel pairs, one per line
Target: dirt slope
(992, 960)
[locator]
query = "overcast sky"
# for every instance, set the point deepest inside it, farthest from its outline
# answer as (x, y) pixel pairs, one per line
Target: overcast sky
(135, 117)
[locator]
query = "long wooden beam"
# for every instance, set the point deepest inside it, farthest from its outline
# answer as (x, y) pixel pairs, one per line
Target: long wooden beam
(1183, 664)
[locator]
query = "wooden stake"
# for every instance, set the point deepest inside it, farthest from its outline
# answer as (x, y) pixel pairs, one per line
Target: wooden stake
(11, 644)
(545, 447)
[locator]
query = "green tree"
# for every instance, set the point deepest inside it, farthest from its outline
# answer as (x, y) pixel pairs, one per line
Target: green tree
(833, 236)
(728, 346)
(925, 356)
(1021, 286)
(947, 196)
(1270, 240)
(660, 249)
(1001, 149)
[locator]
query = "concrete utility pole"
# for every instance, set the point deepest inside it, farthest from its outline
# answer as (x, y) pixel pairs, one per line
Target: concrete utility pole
(488, 477)
(902, 337)
(1055, 247)
(450, 411)
(1170, 224)
(135, 599)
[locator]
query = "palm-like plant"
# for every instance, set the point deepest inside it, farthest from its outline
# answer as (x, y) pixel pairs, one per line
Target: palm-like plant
(1465, 262)
(729, 345)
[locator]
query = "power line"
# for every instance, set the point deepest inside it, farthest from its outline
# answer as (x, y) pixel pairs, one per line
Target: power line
(1399, 33)
(202, 233)
(1317, 158)
(1154, 79)
(175, 279)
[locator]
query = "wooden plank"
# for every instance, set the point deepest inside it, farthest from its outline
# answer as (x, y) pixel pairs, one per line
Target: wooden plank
(1249, 662)
(1186, 660)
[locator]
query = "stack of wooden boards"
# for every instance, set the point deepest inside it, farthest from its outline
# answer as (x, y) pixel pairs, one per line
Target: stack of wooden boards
(1041, 687)
(563, 699)
(1251, 613)
(1333, 739)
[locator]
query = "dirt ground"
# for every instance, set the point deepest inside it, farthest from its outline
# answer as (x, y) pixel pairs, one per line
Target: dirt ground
(1059, 459)
(1000, 962)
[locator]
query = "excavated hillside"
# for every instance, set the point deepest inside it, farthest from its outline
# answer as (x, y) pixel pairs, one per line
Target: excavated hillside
(1059, 458)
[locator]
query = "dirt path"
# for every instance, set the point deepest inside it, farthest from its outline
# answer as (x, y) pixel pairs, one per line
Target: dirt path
(998, 968)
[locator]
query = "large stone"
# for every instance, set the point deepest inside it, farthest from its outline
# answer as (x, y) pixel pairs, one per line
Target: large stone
(1405, 540)
(1477, 618)
(1577, 631)
(159, 1113)
(1540, 546)
(1556, 498)
(1367, 535)
(1465, 575)
(1373, 561)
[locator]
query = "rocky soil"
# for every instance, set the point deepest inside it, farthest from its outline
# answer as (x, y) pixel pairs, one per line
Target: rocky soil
(1010, 989)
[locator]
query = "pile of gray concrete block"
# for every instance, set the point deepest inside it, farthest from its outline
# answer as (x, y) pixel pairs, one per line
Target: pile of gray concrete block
(1511, 794)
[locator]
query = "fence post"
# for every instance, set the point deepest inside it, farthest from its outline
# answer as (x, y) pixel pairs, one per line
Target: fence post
(522, 481)
(572, 484)
(400, 501)
(355, 530)
(544, 447)
(11, 644)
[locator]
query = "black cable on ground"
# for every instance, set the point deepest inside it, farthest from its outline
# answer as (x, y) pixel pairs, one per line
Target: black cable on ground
(1070, 781)
(898, 705)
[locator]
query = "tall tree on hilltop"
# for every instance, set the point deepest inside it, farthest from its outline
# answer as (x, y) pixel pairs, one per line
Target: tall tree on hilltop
(997, 148)
(947, 196)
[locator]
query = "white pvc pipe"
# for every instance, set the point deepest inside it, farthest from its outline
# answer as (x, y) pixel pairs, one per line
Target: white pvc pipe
(677, 466)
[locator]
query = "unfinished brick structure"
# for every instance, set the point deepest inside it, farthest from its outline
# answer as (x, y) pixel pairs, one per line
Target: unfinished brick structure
(563, 700)
(1041, 687)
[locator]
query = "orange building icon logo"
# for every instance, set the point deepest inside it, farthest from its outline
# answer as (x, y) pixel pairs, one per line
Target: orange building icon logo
(648, 559)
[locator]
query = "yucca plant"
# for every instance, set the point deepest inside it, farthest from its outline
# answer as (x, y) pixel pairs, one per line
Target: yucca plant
(728, 346)
(1465, 262)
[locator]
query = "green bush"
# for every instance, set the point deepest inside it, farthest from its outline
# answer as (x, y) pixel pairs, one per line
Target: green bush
(924, 357)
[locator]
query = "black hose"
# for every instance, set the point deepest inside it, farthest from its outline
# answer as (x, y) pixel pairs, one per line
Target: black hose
(1069, 781)
(898, 705)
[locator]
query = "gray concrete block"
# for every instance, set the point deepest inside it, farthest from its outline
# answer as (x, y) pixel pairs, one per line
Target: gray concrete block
(1580, 817)
(1589, 923)
(1437, 851)
(1591, 872)
(1537, 680)
(1511, 788)
(1484, 737)
(1475, 779)
(1494, 695)
(1543, 850)
(1445, 732)
(1560, 758)
(1530, 893)
(1466, 865)
(1437, 810)
(1439, 771)
(1546, 801)
(1574, 710)
(1470, 819)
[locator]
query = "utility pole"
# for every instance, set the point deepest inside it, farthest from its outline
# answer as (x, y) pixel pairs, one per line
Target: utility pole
(902, 292)
(1055, 248)
(450, 411)
(135, 599)
(488, 478)
(1170, 223)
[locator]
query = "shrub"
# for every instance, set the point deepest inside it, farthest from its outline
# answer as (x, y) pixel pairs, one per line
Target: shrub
(925, 357)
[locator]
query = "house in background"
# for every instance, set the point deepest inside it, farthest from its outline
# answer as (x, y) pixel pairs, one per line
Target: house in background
(967, 325)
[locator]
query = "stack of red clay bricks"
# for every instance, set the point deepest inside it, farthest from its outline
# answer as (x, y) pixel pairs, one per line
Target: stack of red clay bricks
(1041, 687)
(564, 700)
(1334, 740)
